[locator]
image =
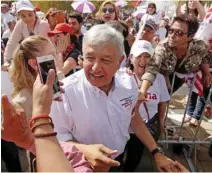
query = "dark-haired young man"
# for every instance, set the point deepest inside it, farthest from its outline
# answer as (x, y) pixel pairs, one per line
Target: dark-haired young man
(75, 20)
(180, 53)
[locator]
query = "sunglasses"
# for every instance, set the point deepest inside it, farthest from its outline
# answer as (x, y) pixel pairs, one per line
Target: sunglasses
(110, 10)
(177, 33)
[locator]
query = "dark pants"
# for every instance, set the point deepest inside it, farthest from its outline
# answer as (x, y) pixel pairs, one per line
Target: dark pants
(134, 148)
(10, 155)
(118, 168)
(197, 103)
(134, 151)
(177, 83)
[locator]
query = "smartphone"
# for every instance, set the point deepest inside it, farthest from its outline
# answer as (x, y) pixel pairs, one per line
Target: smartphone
(45, 63)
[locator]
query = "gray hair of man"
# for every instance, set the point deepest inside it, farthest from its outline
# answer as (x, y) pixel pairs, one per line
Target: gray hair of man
(100, 35)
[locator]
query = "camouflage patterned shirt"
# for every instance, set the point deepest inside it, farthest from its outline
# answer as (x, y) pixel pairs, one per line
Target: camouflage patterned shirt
(166, 62)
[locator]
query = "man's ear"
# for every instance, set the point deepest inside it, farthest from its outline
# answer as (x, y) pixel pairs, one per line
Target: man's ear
(33, 64)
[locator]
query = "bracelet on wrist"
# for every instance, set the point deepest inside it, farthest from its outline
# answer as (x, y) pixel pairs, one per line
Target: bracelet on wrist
(45, 135)
(40, 116)
(41, 124)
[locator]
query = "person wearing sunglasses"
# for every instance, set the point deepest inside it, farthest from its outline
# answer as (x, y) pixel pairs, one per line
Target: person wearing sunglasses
(179, 53)
(197, 102)
(107, 11)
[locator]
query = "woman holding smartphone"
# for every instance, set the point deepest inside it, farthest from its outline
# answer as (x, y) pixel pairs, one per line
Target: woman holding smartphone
(23, 72)
(29, 24)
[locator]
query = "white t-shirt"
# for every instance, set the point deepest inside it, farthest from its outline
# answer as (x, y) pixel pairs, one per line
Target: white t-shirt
(157, 93)
(155, 17)
(6, 34)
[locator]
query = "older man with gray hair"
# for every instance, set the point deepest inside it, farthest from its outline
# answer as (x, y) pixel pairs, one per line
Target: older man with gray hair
(99, 105)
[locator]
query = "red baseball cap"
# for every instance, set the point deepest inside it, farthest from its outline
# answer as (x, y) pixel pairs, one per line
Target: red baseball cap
(60, 28)
(37, 8)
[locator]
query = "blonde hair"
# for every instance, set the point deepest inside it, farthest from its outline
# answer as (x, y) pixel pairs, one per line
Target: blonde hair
(21, 73)
(99, 13)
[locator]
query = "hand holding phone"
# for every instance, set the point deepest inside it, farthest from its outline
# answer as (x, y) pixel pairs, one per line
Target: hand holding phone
(45, 63)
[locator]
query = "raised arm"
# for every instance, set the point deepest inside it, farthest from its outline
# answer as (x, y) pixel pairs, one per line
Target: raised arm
(153, 68)
(178, 10)
(200, 9)
(50, 156)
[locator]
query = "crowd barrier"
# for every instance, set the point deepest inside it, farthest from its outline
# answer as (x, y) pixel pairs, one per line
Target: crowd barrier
(189, 147)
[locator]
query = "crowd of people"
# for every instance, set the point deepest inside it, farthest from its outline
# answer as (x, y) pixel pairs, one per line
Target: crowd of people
(116, 78)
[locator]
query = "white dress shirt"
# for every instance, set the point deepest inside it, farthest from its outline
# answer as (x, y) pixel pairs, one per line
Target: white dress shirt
(89, 116)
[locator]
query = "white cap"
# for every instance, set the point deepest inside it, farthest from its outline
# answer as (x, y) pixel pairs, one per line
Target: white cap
(4, 5)
(24, 5)
(141, 46)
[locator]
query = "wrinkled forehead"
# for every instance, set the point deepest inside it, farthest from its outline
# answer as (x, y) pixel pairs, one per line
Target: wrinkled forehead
(105, 49)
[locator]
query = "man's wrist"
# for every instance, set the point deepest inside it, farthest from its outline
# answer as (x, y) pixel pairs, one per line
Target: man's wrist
(157, 152)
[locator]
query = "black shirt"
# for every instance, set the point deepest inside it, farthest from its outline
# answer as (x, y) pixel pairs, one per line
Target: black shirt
(74, 53)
